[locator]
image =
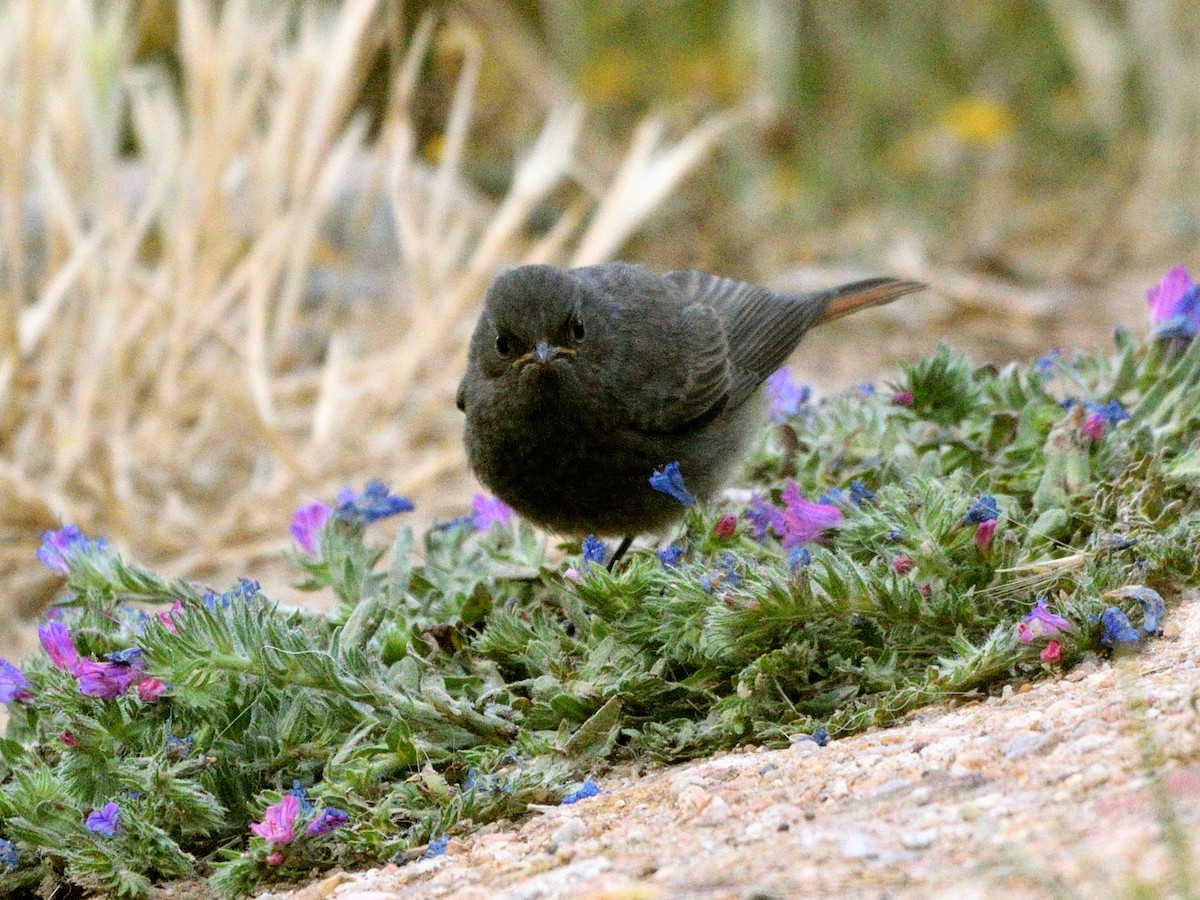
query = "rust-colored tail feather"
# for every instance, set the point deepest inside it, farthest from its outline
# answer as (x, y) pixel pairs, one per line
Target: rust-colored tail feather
(851, 298)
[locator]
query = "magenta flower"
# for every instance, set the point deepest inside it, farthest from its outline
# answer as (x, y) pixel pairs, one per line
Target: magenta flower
(1093, 427)
(167, 616)
(1174, 310)
(274, 859)
(902, 398)
(13, 683)
(104, 821)
(278, 821)
(784, 396)
(1040, 622)
(489, 511)
(984, 532)
(1051, 653)
(150, 689)
(106, 680)
(328, 820)
(902, 565)
(68, 739)
(726, 527)
(59, 646)
(307, 522)
(60, 547)
(803, 520)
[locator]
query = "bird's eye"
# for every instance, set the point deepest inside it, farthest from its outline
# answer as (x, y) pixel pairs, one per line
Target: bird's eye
(502, 345)
(577, 331)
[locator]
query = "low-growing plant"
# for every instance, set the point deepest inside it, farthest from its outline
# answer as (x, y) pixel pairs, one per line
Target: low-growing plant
(970, 527)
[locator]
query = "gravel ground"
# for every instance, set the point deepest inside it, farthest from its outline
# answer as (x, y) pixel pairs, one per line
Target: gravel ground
(1086, 785)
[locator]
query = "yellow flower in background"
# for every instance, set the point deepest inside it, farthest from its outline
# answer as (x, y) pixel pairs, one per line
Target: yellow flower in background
(977, 120)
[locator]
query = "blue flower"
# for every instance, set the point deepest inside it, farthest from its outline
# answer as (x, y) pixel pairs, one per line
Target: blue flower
(1153, 606)
(8, 855)
(982, 510)
(798, 558)
(784, 396)
(1046, 364)
(865, 389)
(246, 590)
(301, 795)
(373, 504)
(60, 547)
(820, 737)
(1115, 628)
(594, 551)
(437, 847)
(763, 515)
(329, 820)
(131, 656)
(669, 556)
(860, 493)
(585, 790)
(179, 748)
(669, 480)
(104, 821)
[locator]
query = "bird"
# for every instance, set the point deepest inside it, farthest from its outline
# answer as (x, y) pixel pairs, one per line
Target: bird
(583, 383)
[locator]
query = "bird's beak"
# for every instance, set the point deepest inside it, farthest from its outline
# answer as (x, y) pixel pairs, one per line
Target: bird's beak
(543, 352)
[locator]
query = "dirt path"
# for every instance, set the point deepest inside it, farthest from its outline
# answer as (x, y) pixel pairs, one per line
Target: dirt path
(1041, 792)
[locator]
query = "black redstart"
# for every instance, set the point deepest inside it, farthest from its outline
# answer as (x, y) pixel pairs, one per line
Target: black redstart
(581, 383)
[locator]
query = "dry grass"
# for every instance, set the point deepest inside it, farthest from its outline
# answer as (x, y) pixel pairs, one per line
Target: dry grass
(185, 353)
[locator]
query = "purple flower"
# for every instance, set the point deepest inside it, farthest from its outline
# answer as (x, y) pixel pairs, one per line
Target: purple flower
(669, 556)
(329, 820)
(1115, 628)
(106, 680)
(490, 511)
(585, 790)
(278, 821)
(1046, 365)
(669, 480)
(1174, 310)
(784, 396)
(1040, 622)
(373, 504)
(763, 515)
(804, 521)
(307, 523)
(103, 821)
(56, 641)
(13, 684)
(60, 547)
(594, 551)
(982, 510)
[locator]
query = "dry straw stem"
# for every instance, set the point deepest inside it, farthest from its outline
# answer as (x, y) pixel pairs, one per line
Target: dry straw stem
(175, 372)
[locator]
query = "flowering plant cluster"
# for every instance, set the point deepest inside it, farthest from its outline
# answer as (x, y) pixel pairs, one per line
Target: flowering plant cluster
(942, 538)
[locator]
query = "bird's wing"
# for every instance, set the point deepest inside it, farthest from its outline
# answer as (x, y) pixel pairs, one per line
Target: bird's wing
(700, 354)
(762, 327)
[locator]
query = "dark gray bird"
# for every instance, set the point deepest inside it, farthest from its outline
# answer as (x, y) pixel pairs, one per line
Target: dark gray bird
(581, 383)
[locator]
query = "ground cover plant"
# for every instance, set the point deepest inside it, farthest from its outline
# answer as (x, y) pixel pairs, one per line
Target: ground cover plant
(957, 530)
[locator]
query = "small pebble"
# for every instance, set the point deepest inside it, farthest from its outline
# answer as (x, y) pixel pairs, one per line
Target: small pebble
(1024, 744)
(919, 840)
(856, 846)
(716, 812)
(571, 830)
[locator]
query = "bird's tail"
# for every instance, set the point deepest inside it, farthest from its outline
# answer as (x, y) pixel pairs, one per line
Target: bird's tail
(850, 298)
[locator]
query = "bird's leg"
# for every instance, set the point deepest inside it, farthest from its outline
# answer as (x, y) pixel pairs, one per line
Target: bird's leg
(621, 548)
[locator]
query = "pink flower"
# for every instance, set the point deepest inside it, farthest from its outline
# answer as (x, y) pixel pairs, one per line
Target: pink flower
(1174, 310)
(1093, 427)
(166, 617)
(572, 574)
(984, 532)
(274, 859)
(278, 821)
(150, 689)
(902, 565)
(725, 527)
(902, 398)
(803, 520)
(56, 641)
(68, 739)
(1052, 652)
(307, 523)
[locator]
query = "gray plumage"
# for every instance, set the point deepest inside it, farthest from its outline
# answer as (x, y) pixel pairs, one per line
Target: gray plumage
(580, 383)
